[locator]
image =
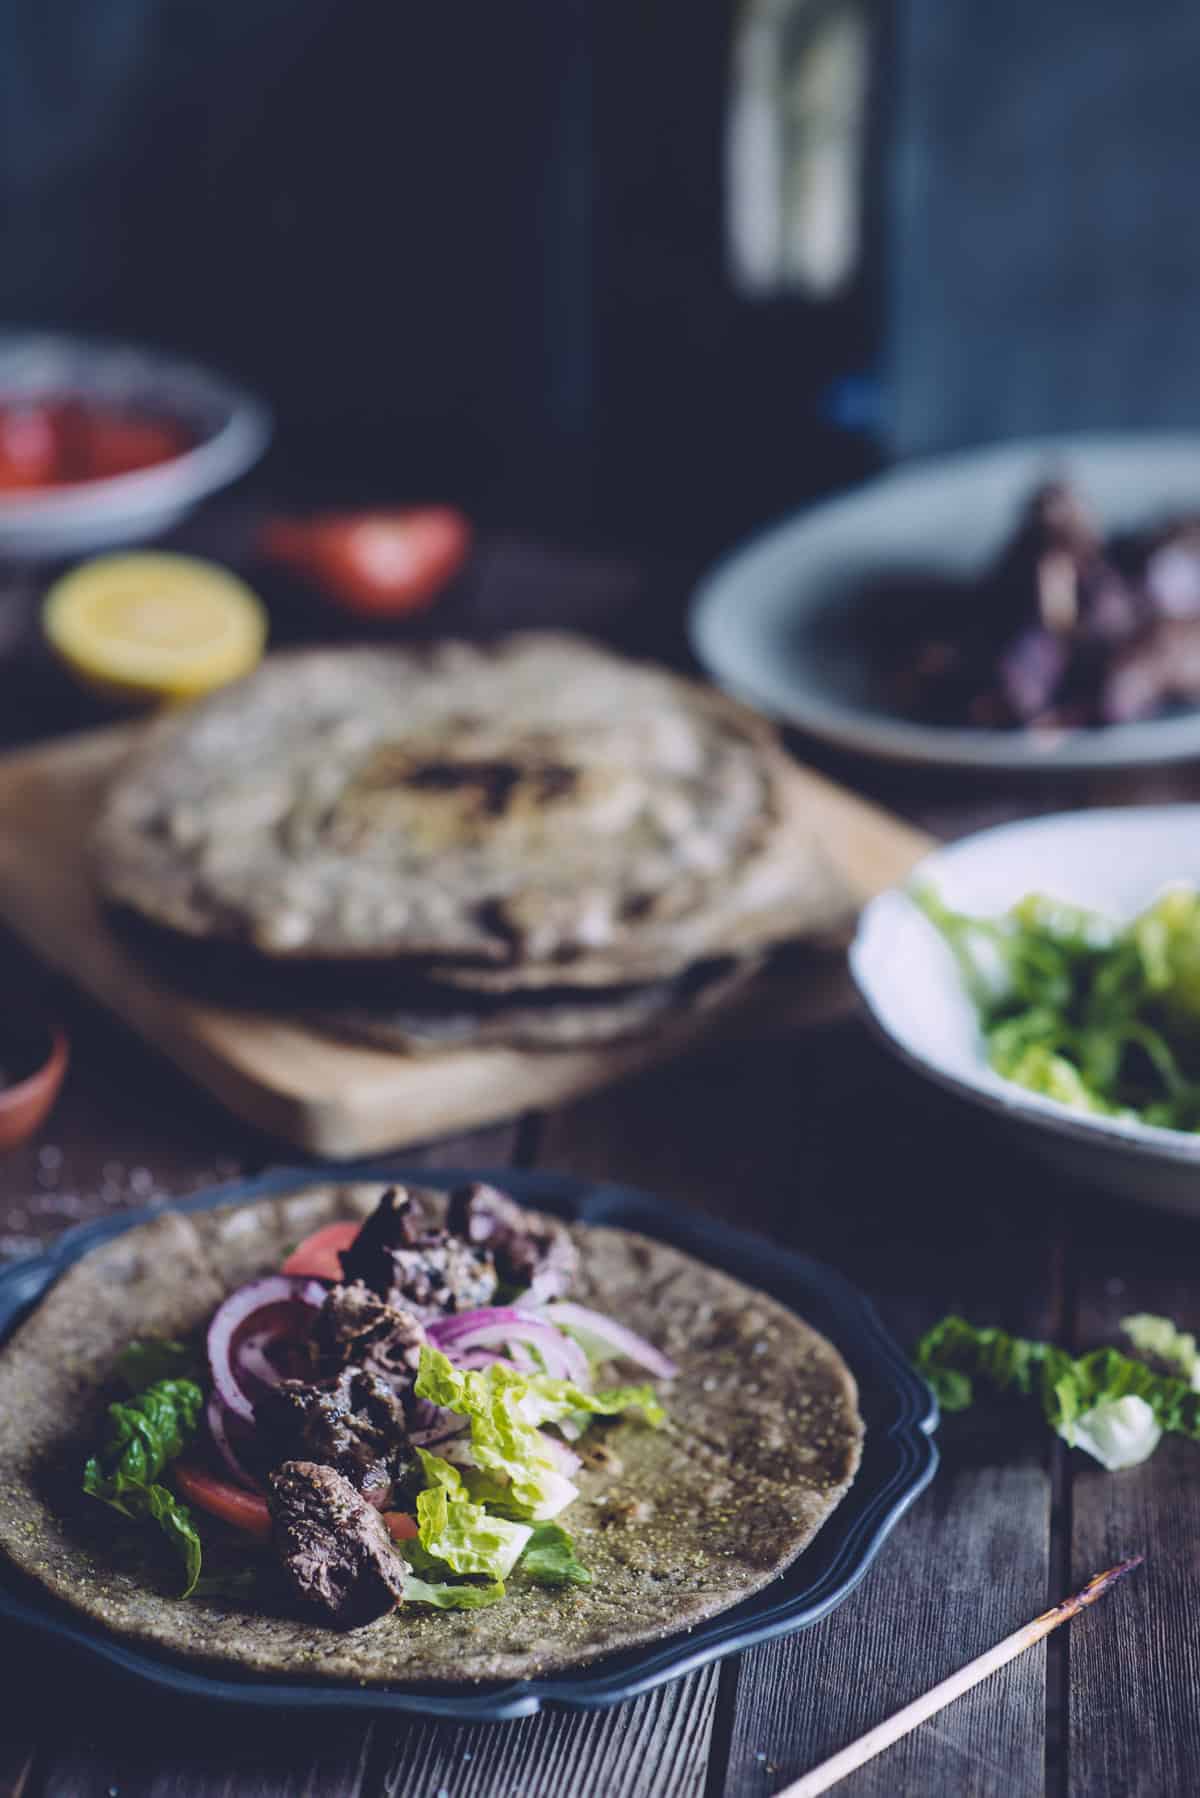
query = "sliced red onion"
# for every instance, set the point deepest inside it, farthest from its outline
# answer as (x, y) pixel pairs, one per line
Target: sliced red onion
(602, 1337)
(449, 1330)
(219, 1421)
(251, 1360)
(288, 1304)
(501, 1326)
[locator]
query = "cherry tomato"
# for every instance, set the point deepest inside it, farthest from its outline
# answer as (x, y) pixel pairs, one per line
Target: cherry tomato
(114, 445)
(319, 1255)
(221, 1498)
(401, 1527)
(375, 563)
(56, 442)
(29, 448)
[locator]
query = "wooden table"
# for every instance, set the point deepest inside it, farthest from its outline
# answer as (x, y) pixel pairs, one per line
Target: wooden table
(821, 1143)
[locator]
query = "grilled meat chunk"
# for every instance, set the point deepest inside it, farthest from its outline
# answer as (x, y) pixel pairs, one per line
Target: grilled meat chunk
(528, 1252)
(335, 1549)
(356, 1426)
(356, 1328)
(416, 1265)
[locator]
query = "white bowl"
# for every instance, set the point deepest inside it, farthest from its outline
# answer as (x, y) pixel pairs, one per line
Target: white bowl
(790, 621)
(1112, 860)
(231, 429)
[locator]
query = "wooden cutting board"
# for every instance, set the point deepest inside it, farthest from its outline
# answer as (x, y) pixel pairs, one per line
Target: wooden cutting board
(324, 1096)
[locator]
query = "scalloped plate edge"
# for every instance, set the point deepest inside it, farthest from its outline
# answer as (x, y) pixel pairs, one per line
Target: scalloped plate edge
(844, 1550)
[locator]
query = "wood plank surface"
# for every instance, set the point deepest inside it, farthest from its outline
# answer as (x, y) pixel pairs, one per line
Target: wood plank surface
(325, 1096)
(656, 1744)
(1135, 1684)
(829, 1149)
(177, 1754)
(16, 1767)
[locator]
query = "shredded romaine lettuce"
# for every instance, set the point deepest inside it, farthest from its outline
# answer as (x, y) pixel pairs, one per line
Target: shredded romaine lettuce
(513, 1469)
(460, 1533)
(1098, 1017)
(450, 1596)
(458, 1536)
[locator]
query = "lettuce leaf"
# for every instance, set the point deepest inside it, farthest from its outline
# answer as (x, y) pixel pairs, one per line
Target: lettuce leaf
(550, 1558)
(1119, 1432)
(145, 1433)
(446, 1596)
(513, 1469)
(1159, 1337)
(1100, 1017)
(460, 1533)
(1083, 1398)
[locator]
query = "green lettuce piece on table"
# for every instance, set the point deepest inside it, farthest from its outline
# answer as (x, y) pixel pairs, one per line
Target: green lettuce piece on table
(1159, 1337)
(145, 1433)
(1104, 1402)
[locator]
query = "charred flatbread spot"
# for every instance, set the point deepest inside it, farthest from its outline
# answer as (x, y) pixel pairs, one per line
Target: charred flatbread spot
(493, 782)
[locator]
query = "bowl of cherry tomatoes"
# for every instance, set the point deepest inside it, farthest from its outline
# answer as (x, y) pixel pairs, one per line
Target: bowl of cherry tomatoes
(103, 444)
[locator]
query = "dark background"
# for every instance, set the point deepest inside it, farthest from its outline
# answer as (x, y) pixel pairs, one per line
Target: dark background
(474, 250)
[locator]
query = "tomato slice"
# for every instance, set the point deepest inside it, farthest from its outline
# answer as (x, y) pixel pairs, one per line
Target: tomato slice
(318, 1257)
(383, 563)
(246, 1511)
(232, 1504)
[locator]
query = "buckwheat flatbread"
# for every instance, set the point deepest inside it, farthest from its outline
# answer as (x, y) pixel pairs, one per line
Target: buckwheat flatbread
(543, 1019)
(534, 812)
(762, 1441)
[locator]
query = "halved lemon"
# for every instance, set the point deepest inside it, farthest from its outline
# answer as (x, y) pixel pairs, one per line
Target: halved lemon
(147, 626)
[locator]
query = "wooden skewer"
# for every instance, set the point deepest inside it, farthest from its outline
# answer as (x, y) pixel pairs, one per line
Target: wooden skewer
(884, 1734)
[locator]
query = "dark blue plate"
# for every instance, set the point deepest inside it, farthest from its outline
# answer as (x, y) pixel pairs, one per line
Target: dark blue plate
(899, 1458)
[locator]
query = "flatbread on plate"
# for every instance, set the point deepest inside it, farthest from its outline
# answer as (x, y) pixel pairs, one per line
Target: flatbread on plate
(763, 1440)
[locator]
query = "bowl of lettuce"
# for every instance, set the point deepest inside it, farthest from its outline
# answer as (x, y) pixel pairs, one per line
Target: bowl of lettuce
(1049, 972)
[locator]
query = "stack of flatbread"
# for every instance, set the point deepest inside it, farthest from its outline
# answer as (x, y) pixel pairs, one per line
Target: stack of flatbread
(535, 842)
